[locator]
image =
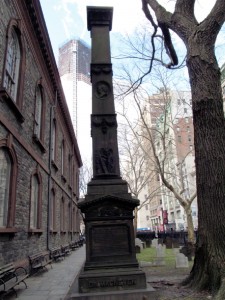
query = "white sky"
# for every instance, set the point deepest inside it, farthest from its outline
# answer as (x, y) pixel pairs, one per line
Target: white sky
(68, 18)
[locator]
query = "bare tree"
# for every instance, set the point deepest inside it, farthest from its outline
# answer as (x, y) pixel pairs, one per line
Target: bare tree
(148, 138)
(85, 177)
(209, 127)
(135, 167)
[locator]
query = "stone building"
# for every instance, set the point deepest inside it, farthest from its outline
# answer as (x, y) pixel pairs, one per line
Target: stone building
(39, 155)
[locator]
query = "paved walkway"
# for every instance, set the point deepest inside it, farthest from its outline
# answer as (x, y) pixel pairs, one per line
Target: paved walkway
(54, 284)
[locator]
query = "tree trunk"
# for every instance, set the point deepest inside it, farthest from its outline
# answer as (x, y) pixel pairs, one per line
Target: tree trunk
(209, 129)
(135, 220)
(190, 225)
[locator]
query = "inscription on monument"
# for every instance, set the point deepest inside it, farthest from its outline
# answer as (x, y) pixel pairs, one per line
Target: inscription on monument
(111, 240)
(112, 283)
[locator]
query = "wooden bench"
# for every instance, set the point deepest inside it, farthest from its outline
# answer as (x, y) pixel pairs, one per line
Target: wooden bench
(56, 253)
(66, 250)
(39, 261)
(11, 277)
(74, 245)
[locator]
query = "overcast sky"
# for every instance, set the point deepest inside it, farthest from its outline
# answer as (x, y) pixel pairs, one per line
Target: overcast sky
(66, 19)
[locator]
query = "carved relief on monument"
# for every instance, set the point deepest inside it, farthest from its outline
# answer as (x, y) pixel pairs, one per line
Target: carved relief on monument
(104, 161)
(103, 123)
(102, 89)
(101, 68)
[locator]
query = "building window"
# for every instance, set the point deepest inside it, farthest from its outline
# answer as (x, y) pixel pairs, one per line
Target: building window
(186, 120)
(12, 64)
(52, 216)
(38, 110)
(178, 128)
(54, 140)
(188, 128)
(13, 70)
(146, 206)
(191, 147)
(69, 218)
(35, 206)
(179, 138)
(178, 102)
(69, 169)
(185, 110)
(5, 175)
(62, 215)
(39, 113)
(62, 157)
(8, 179)
(189, 138)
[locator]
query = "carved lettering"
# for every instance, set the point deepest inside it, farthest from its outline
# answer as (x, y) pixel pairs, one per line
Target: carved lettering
(112, 283)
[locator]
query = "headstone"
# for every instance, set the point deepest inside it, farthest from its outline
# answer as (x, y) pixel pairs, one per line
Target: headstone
(160, 251)
(175, 243)
(139, 243)
(148, 243)
(168, 242)
(160, 241)
(188, 251)
(138, 249)
(154, 242)
(181, 261)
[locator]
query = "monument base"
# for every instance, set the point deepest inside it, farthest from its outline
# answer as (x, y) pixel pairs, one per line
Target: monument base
(147, 294)
(101, 280)
(118, 281)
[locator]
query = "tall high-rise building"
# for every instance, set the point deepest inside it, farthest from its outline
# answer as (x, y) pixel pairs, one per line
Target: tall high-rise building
(74, 69)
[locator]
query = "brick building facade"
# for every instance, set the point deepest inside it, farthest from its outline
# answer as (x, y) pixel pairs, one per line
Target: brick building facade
(39, 155)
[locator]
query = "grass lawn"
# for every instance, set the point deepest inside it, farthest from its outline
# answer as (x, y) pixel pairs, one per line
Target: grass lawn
(149, 254)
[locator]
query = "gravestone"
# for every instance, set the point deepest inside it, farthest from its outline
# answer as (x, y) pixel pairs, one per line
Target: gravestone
(111, 263)
(168, 242)
(148, 243)
(175, 243)
(181, 261)
(138, 249)
(160, 251)
(160, 256)
(139, 243)
(154, 242)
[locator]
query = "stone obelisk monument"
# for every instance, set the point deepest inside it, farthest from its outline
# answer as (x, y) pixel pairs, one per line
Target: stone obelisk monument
(111, 263)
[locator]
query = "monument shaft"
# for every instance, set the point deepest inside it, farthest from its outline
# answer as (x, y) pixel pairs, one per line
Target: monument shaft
(111, 262)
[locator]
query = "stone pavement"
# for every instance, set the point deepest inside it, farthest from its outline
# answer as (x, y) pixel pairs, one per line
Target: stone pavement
(53, 284)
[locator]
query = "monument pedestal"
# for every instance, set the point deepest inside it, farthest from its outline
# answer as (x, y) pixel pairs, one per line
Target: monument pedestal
(111, 263)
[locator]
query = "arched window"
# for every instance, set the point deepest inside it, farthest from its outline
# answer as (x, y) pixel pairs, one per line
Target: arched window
(13, 69)
(8, 179)
(5, 175)
(35, 204)
(12, 64)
